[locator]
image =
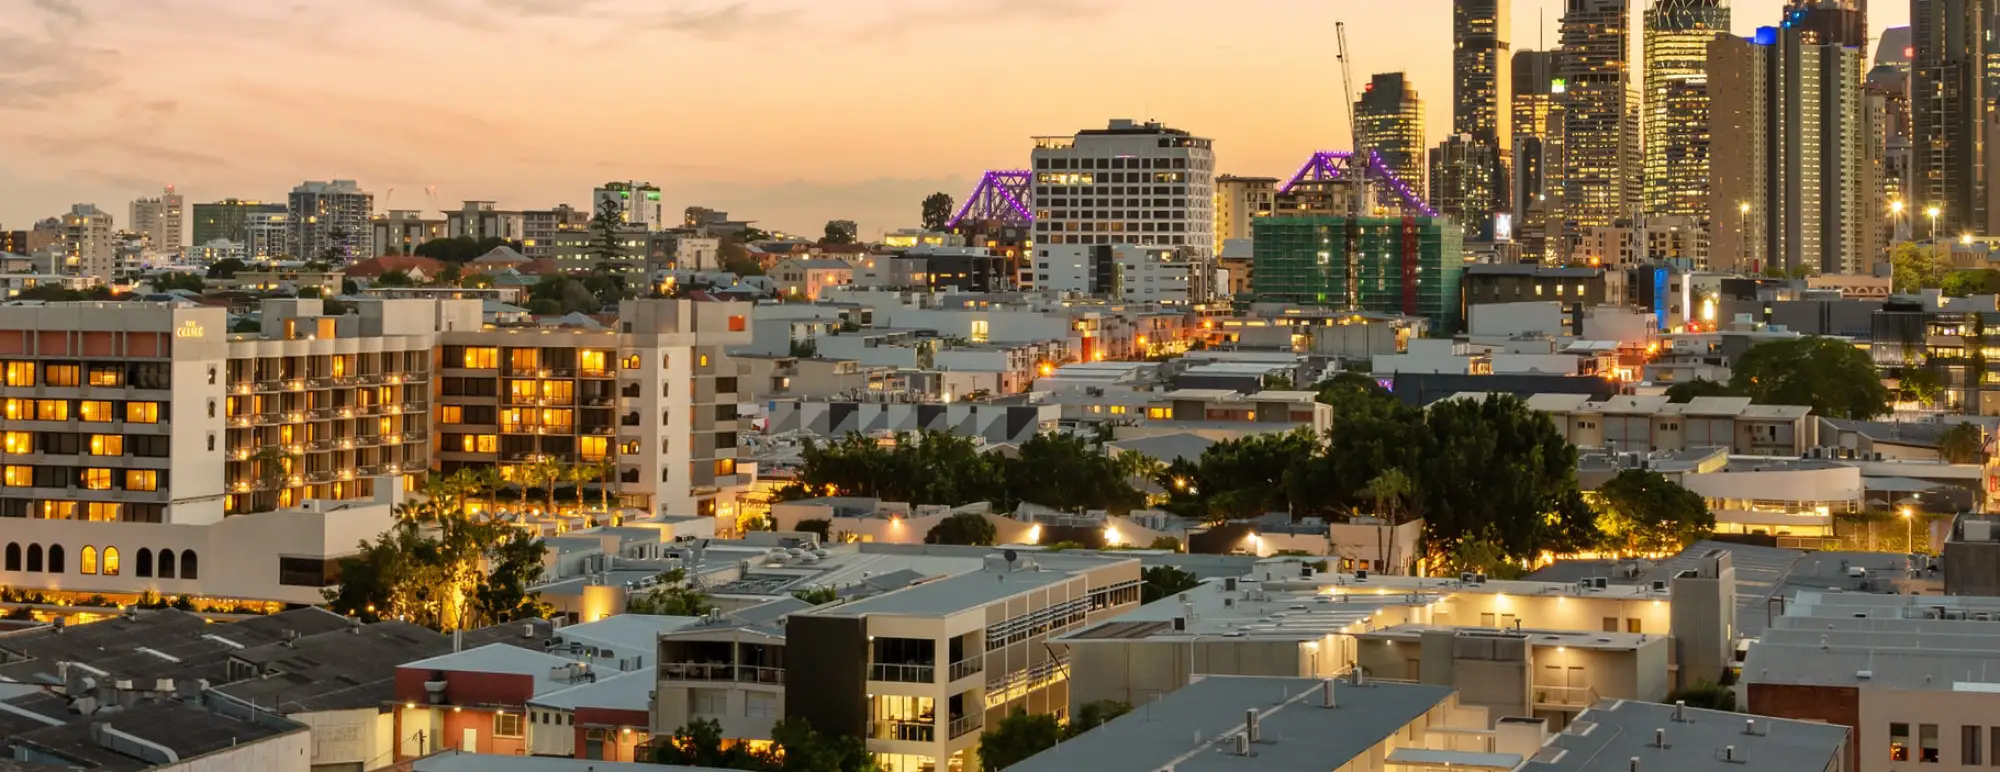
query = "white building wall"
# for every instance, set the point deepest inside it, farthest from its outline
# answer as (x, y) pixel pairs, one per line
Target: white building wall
(284, 753)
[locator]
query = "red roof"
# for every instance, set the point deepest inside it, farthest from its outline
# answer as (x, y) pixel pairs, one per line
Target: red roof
(386, 263)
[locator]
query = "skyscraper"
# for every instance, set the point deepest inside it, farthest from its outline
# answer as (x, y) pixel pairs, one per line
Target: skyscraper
(1676, 118)
(1820, 22)
(1600, 166)
(1948, 82)
(1535, 161)
(1738, 114)
(1136, 183)
(1462, 173)
(1389, 119)
(1482, 81)
(332, 220)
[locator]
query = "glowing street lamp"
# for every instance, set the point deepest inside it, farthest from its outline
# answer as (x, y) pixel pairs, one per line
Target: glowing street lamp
(1909, 532)
(1933, 211)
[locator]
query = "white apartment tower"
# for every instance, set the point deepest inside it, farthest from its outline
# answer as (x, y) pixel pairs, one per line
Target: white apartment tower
(637, 203)
(85, 244)
(332, 219)
(160, 221)
(1129, 183)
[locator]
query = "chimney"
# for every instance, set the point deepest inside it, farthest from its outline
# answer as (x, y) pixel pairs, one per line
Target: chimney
(1250, 728)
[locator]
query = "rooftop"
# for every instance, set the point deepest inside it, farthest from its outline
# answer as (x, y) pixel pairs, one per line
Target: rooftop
(1612, 733)
(1246, 613)
(354, 668)
(501, 658)
(147, 735)
(1834, 638)
(974, 589)
(1573, 639)
(453, 761)
(1189, 730)
(624, 691)
(152, 643)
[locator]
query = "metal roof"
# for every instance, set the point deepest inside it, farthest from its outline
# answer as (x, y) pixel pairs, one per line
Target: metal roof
(1608, 736)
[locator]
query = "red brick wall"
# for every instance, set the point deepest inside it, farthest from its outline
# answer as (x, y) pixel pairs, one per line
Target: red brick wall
(466, 688)
(1831, 704)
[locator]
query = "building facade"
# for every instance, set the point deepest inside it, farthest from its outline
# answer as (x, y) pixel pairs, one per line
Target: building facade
(1949, 88)
(636, 203)
(1600, 170)
(1676, 104)
(1536, 163)
(161, 220)
(1482, 82)
(228, 219)
(1389, 120)
(1404, 265)
(1238, 200)
(87, 247)
(1128, 183)
(331, 219)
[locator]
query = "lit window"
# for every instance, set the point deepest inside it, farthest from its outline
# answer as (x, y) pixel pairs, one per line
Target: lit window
(19, 409)
(58, 510)
(630, 363)
(20, 373)
(592, 362)
(20, 476)
(142, 480)
(142, 412)
(19, 442)
(107, 445)
(95, 411)
(52, 410)
(97, 479)
(62, 375)
(482, 358)
(105, 376)
(507, 725)
(594, 448)
(702, 361)
(89, 563)
(110, 561)
(101, 511)
(451, 414)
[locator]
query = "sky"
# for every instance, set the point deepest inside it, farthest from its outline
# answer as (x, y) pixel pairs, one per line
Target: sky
(789, 112)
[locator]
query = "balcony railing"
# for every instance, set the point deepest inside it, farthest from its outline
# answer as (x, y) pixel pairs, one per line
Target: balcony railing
(1567, 696)
(960, 727)
(908, 674)
(705, 671)
(966, 668)
(907, 731)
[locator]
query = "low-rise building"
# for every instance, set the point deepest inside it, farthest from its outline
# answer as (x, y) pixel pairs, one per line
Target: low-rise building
(1232, 411)
(1646, 424)
(810, 277)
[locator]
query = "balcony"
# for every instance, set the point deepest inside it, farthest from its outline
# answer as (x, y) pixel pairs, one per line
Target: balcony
(966, 668)
(906, 731)
(708, 671)
(906, 674)
(965, 725)
(1564, 697)
(600, 373)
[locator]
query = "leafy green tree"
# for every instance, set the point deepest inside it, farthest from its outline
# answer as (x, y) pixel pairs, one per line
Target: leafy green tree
(568, 295)
(1916, 266)
(922, 468)
(1707, 695)
(699, 744)
(1833, 377)
(1016, 738)
(461, 249)
(796, 747)
(1164, 582)
(394, 279)
(1687, 391)
(673, 596)
(841, 232)
(1245, 478)
(225, 268)
(1093, 714)
(1494, 463)
(735, 258)
(1353, 392)
(964, 528)
(1168, 543)
(1963, 443)
(1066, 472)
(937, 211)
(177, 280)
(1920, 384)
(818, 596)
(441, 569)
(1646, 513)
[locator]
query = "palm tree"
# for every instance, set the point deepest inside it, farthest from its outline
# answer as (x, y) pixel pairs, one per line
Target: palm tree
(546, 471)
(274, 468)
(1388, 489)
(604, 470)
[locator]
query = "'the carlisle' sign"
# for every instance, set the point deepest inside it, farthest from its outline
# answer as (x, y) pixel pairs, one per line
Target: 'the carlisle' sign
(189, 329)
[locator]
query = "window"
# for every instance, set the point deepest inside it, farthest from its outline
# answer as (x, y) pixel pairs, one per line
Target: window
(95, 411)
(53, 410)
(630, 448)
(1969, 738)
(701, 361)
(19, 409)
(594, 448)
(142, 480)
(56, 559)
(35, 557)
(110, 561)
(525, 358)
(506, 725)
(142, 412)
(145, 562)
(761, 705)
(107, 444)
(711, 702)
(166, 564)
(188, 565)
(89, 563)
(481, 443)
(62, 375)
(1899, 742)
(630, 363)
(725, 467)
(1927, 743)
(451, 414)
(97, 479)
(482, 358)
(101, 511)
(1632, 625)
(19, 442)
(20, 373)
(13, 557)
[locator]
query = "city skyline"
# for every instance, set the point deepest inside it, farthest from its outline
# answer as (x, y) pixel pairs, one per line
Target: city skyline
(807, 116)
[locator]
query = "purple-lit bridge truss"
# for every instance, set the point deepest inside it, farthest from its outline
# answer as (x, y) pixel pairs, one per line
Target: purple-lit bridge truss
(1003, 194)
(1335, 164)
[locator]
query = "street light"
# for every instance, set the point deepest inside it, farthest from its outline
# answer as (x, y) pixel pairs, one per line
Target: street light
(1743, 230)
(1933, 211)
(1909, 532)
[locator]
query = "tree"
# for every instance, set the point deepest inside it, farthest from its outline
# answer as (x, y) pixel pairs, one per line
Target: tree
(735, 258)
(1164, 582)
(607, 243)
(937, 211)
(547, 471)
(795, 747)
(1917, 266)
(1065, 472)
(177, 280)
(225, 268)
(1963, 443)
(1495, 469)
(1093, 714)
(841, 232)
(461, 249)
(1244, 478)
(1687, 391)
(1017, 737)
(964, 528)
(672, 595)
(1707, 695)
(1832, 376)
(818, 596)
(1646, 513)
(567, 295)
(394, 279)
(1920, 384)
(1388, 491)
(1167, 543)
(438, 568)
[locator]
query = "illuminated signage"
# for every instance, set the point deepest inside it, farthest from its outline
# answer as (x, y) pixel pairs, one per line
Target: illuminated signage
(189, 329)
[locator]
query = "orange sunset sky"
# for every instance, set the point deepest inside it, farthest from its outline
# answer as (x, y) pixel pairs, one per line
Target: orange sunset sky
(790, 112)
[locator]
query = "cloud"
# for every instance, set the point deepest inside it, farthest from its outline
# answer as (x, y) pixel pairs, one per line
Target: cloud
(926, 14)
(62, 11)
(723, 22)
(37, 69)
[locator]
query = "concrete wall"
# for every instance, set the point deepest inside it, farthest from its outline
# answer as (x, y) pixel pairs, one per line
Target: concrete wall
(361, 737)
(284, 753)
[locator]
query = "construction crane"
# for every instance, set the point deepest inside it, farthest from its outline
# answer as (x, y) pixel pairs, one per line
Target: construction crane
(432, 192)
(1347, 84)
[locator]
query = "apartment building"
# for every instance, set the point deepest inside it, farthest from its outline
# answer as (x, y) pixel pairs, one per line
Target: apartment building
(86, 246)
(920, 672)
(1125, 272)
(331, 218)
(403, 230)
(558, 233)
(1264, 411)
(634, 203)
(658, 394)
(1645, 424)
(810, 278)
(1127, 183)
(161, 220)
(482, 220)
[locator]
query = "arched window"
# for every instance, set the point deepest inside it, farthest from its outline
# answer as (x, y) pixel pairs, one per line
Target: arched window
(189, 568)
(13, 556)
(110, 561)
(35, 557)
(55, 559)
(145, 562)
(89, 563)
(166, 564)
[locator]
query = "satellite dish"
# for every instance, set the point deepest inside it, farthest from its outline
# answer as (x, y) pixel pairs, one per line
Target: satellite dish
(1009, 554)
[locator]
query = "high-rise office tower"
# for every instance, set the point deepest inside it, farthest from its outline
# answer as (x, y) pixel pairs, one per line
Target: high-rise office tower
(1482, 81)
(332, 220)
(1948, 84)
(1462, 172)
(1600, 166)
(160, 220)
(1820, 22)
(1390, 120)
(1134, 183)
(1535, 162)
(1676, 105)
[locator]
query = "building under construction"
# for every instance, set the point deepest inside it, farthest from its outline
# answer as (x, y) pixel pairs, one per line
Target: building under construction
(1408, 265)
